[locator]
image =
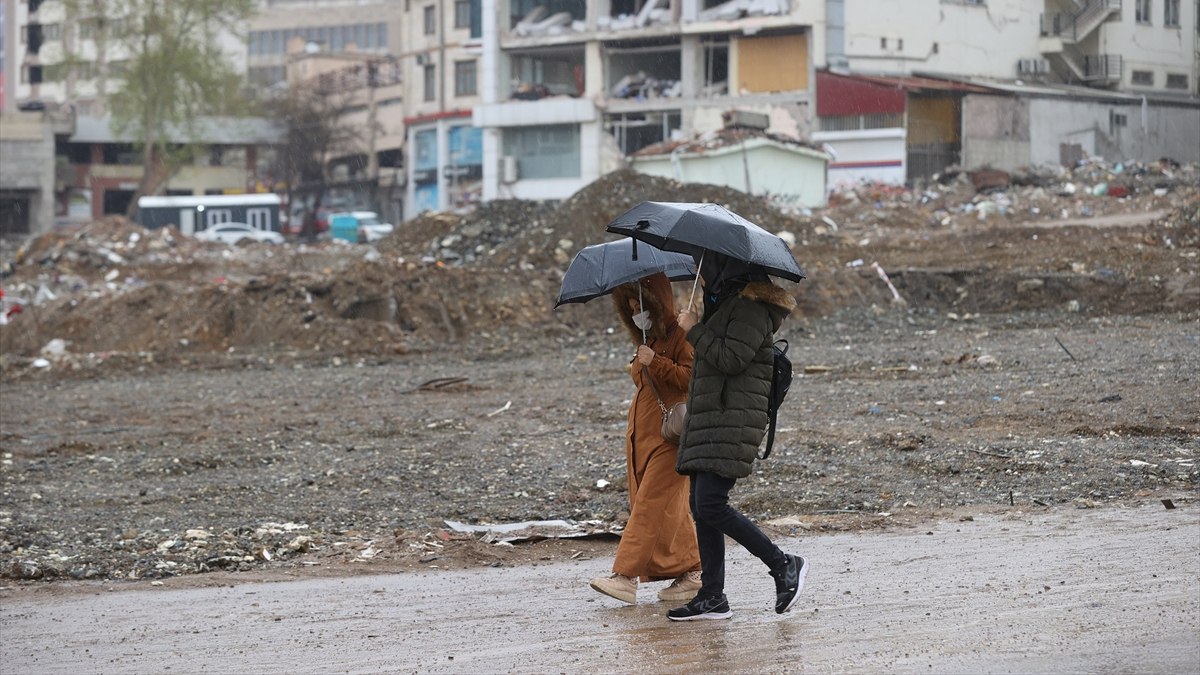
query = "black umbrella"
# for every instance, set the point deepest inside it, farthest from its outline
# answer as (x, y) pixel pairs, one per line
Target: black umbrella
(695, 228)
(597, 270)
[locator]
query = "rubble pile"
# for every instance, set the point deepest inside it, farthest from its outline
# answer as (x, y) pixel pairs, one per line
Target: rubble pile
(958, 199)
(155, 555)
(113, 293)
(536, 235)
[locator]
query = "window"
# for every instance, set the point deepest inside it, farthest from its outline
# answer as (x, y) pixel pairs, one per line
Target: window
(52, 32)
(1116, 120)
(857, 122)
(1142, 78)
(430, 20)
(1141, 11)
(462, 14)
(54, 72)
(1177, 81)
(430, 83)
(545, 151)
(1171, 13)
(464, 78)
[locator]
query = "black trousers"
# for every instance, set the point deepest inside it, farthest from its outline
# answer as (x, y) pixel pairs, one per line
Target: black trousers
(715, 518)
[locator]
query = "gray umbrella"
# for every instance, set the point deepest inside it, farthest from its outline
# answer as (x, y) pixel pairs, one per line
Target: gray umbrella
(694, 228)
(597, 270)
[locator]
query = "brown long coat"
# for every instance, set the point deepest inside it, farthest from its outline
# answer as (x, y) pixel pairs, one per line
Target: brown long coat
(659, 541)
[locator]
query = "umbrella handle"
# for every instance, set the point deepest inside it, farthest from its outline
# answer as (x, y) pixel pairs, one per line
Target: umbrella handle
(640, 307)
(692, 299)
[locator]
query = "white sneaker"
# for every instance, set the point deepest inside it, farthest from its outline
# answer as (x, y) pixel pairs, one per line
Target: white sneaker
(684, 588)
(617, 586)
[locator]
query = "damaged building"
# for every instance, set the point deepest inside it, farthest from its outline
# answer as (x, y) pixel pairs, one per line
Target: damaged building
(570, 89)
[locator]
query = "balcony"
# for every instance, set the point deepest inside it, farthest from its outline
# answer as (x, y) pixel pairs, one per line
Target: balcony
(1064, 34)
(1103, 68)
(559, 110)
(1072, 27)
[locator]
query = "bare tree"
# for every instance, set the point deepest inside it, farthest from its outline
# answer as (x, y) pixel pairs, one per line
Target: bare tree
(173, 72)
(314, 131)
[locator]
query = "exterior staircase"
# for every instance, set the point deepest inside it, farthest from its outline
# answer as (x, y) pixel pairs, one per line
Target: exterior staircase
(1064, 34)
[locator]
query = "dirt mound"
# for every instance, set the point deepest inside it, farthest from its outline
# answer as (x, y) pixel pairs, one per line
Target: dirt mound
(113, 288)
(529, 234)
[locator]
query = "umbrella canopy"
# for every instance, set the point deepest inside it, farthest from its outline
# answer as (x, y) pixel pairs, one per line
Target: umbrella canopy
(693, 228)
(597, 270)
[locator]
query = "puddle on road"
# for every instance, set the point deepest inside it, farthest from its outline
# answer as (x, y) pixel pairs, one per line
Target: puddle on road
(937, 599)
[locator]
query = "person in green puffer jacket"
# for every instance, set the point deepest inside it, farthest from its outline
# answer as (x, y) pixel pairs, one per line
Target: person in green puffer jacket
(726, 422)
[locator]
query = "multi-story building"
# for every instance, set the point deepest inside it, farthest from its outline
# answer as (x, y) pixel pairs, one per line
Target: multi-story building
(919, 85)
(365, 170)
(68, 59)
(442, 47)
(282, 28)
(570, 88)
(1124, 45)
(61, 70)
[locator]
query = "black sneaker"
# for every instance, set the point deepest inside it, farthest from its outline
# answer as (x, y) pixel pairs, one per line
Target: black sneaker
(702, 608)
(788, 581)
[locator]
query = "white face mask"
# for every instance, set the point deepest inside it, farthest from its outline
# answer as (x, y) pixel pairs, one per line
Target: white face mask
(642, 320)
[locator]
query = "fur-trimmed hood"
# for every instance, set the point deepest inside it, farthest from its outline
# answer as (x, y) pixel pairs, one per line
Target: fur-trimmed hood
(656, 299)
(781, 302)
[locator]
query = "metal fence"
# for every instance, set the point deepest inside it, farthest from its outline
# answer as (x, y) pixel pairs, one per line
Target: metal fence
(931, 158)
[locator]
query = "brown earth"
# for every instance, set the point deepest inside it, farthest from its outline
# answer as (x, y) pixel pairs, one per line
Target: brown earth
(262, 407)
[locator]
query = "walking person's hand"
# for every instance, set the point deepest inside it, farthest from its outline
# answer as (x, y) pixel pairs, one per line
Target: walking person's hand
(645, 355)
(686, 319)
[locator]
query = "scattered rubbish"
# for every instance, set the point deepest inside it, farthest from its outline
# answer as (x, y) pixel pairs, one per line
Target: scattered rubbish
(1168, 504)
(1064, 348)
(601, 484)
(501, 409)
(883, 275)
(1112, 398)
(441, 383)
(986, 180)
(1138, 462)
(536, 530)
(972, 359)
(55, 347)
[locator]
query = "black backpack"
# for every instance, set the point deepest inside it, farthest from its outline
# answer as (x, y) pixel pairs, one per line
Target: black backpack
(781, 381)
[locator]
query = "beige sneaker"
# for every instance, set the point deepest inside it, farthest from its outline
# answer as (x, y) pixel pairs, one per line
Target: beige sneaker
(617, 586)
(683, 589)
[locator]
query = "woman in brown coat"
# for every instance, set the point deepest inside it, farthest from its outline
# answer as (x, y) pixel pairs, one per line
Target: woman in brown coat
(659, 541)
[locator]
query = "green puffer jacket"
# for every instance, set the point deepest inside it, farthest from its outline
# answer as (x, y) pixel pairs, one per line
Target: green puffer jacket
(731, 378)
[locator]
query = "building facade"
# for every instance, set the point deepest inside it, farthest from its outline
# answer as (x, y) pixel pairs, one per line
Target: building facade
(284, 28)
(911, 88)
(570, 89)
(61, 69)
(442, 63)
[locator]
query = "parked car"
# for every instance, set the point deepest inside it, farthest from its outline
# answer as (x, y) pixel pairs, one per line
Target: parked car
(232, 233)
(358, 226)
(371, 230)
(295, 222)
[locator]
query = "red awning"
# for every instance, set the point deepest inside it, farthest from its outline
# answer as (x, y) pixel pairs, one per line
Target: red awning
(873, 94)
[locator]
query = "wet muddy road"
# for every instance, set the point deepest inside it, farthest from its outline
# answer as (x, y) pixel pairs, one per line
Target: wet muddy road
(1109, 590)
